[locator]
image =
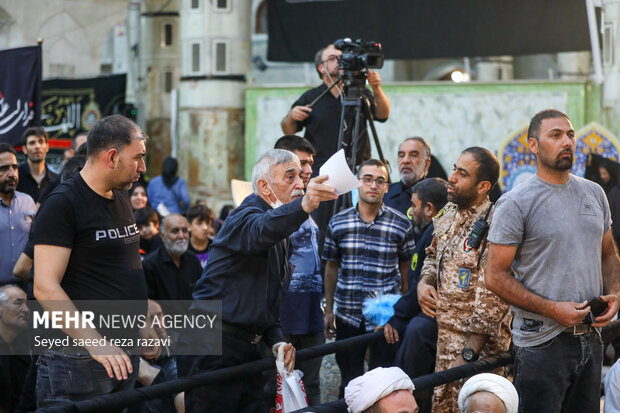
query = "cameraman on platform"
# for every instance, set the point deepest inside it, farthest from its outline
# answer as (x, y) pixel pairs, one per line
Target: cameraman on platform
(322, 120)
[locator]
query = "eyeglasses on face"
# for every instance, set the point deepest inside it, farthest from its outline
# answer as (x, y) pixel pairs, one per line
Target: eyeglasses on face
(332, 58)
(367, 180)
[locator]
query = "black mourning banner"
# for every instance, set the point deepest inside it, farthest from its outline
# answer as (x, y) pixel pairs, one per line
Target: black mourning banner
(70, 106)
(415, 29)
(20, 92)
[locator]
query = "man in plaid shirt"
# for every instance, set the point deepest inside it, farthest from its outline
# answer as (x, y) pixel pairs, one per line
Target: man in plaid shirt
(367, 249)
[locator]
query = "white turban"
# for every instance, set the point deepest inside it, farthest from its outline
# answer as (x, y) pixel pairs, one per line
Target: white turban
(364, 391)
(492, 383)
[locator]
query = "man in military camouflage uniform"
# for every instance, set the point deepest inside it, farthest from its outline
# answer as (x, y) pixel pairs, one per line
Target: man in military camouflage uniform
(472, 320)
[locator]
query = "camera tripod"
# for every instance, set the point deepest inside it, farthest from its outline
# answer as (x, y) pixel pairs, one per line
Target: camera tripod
(354, 105)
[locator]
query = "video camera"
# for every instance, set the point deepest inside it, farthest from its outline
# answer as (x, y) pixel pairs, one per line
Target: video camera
(358, 55)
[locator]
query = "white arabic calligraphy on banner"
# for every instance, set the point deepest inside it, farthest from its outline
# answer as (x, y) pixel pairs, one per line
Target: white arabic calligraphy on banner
(70, 120)
(9, 119)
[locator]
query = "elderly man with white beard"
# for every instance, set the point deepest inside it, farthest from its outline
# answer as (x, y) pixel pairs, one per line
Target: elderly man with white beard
(414, 159)
(171, 270)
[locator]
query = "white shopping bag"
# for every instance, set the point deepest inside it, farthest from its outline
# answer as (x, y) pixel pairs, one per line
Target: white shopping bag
(291, 394)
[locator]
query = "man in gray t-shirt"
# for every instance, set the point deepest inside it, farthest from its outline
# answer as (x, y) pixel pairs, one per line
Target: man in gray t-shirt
(551, 250)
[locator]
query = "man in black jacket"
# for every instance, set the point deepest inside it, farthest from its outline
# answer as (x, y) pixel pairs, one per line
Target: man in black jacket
(414, 159)
(247, 268)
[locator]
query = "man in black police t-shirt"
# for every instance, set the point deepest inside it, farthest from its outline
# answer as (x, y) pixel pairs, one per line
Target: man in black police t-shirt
(322, 120)
(86, 248)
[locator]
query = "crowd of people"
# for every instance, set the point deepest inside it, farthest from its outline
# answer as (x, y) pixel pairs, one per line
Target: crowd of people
(473, 277)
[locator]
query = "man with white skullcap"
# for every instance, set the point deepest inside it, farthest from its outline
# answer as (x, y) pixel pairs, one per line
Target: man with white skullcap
(488, 393)
(381, 390)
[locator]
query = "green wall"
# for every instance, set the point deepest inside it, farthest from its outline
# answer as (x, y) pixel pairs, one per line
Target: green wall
(451, 116)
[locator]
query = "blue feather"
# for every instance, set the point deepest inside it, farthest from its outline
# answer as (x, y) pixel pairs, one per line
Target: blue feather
(379, 309)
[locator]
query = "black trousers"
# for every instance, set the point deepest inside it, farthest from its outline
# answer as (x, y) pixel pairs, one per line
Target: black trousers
(416, 354)
(310, 368)
(244, 395)
(351, 361)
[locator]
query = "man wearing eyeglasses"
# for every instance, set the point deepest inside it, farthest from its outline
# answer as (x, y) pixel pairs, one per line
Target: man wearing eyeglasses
(367, 251)
(322, 120)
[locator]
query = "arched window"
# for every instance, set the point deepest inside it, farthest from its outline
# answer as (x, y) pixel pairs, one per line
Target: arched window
(261, 18)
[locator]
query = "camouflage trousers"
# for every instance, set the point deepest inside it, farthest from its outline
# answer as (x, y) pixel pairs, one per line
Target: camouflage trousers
(449, 347)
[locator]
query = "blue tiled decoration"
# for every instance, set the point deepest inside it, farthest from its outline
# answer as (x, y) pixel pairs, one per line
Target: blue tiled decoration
(517, 163)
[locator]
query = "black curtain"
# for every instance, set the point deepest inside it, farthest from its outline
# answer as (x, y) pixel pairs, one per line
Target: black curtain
(412, 29)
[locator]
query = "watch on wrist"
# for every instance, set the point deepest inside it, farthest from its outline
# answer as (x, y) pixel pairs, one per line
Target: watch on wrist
(469, 354)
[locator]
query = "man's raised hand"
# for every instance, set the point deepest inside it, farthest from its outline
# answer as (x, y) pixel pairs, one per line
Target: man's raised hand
(316, 193)
(374, 80)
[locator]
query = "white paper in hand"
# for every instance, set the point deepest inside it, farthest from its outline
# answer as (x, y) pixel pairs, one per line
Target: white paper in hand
(340, 176)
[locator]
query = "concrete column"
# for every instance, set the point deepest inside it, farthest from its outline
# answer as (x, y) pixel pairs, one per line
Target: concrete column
(215, 60)
(133, 45)
(160, 53)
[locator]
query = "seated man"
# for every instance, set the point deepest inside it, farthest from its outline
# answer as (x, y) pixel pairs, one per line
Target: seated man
(171, 270)
(381, 390)
(14, 364)
(488, 393)
(159, 368)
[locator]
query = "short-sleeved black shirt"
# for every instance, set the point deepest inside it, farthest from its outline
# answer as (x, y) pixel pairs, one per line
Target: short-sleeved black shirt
(103, 236)
(323, 125)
